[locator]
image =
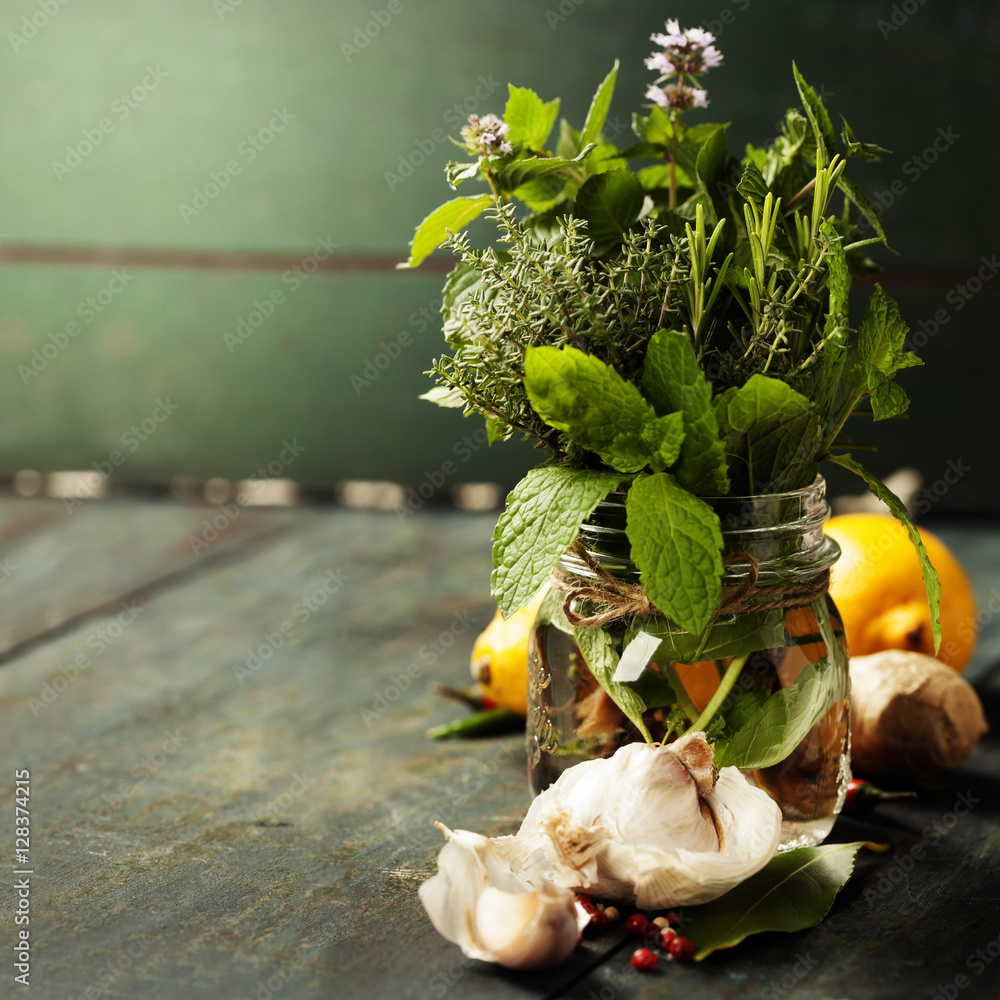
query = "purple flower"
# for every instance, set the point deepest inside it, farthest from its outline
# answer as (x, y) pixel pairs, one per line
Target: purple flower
(678, 96)
(690, 51)
(487, 136)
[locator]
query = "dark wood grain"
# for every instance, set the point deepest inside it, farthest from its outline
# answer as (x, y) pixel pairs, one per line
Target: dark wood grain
(65, 560)
(226, 830)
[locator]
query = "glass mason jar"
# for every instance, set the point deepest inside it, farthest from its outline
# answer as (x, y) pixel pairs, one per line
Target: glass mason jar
(571, 718)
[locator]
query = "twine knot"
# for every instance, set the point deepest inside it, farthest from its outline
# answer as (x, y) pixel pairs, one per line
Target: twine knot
(612, 598)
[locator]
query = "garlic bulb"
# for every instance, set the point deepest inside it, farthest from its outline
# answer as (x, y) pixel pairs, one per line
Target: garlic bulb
(657, 825)
(495, 915)
(660, 826)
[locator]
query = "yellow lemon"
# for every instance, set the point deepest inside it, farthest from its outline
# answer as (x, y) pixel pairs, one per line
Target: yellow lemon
(500, 657)
(879, 590)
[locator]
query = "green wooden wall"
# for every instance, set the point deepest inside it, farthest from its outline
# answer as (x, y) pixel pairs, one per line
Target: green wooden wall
(282, 128)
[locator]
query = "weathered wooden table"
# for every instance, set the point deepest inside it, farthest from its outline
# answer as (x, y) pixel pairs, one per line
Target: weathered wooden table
(231, 795)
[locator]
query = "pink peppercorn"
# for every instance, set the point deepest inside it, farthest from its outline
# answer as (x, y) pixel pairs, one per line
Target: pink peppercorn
(682, 949)
(644, 959)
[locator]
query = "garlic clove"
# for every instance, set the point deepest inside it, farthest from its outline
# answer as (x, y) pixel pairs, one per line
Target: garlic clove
(493, 914)
(528, 930)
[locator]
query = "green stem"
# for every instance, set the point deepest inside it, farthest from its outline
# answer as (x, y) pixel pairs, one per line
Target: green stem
(725, 686)
(680, 692)
(848, 409)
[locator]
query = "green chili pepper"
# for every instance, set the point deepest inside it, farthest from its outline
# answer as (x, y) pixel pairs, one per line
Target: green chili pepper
(491, 723)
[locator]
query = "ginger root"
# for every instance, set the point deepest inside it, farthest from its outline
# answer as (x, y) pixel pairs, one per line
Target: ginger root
(911, 715)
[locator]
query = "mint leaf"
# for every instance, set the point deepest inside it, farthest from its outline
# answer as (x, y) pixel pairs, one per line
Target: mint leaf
(610, 202)
(769, 730)
(793, 891)
(676, 543)
(686, 150)
(595, 645)
(673, 380)
(752, 185)
(880, 354)
(543, 193)
(511, 176)
(839, 281)
(882, 336)
(455, 173)
(587, 399)
(931, 584)
(750, 630)
(444, 395)
(772, 436)
(709, 169)
(862, 150)
(822, 127)
(543, 514)
(569, 142)
(834, 355)
(529, 118)
(657, 128)
(657, 178)
(599, 107)
(433, 231)
(887, 398)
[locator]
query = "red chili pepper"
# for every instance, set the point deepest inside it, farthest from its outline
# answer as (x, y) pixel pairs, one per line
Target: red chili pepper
(863, 795)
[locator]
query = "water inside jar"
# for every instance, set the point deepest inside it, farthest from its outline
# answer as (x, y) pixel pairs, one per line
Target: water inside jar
(572, 719)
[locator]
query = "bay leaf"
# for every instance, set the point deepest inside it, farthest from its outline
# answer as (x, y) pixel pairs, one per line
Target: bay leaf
(795, 890)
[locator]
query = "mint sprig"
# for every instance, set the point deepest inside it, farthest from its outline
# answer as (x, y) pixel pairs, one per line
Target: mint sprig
(541, 519)
(677, 545)
(588, 400)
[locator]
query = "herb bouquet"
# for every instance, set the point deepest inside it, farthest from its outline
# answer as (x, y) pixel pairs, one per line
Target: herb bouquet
(669, 324)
